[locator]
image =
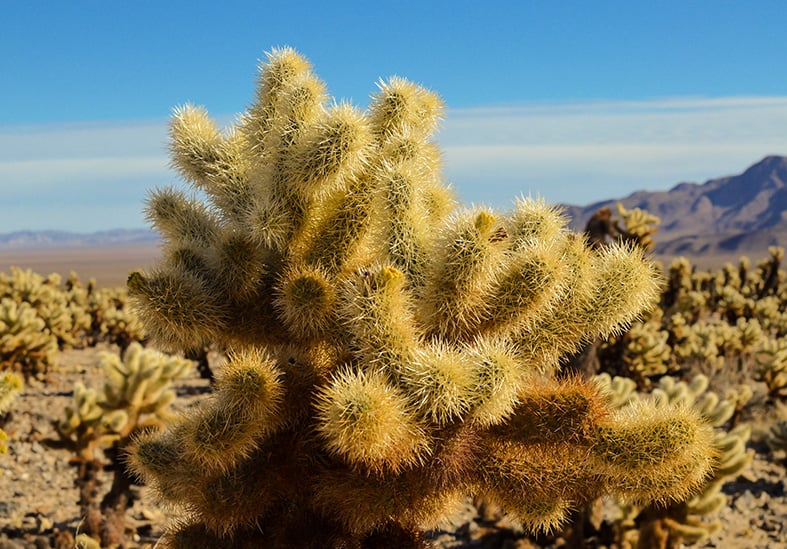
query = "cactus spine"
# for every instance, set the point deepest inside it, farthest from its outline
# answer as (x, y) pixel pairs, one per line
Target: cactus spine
(399, 348)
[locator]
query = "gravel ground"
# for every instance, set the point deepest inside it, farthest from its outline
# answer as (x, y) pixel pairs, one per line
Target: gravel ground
(38, 499)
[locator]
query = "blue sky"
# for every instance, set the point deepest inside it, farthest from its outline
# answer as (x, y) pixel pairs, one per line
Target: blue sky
(575, 101)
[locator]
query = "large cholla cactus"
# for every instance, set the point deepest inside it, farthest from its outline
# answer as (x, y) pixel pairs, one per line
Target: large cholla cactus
(388, 352)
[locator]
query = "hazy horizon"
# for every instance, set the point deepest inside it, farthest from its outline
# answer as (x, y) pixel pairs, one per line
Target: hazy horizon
(148, 228)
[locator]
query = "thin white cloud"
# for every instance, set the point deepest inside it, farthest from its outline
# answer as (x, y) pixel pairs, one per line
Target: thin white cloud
(83, 177)
(48, 173)
(567, 152)
(586, 151)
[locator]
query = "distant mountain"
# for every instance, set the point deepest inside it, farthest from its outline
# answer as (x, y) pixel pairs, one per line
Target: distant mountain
(62, 239)
(740, 214)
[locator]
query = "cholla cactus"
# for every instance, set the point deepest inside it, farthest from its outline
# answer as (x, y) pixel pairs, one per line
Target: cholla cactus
(679, 281)
(11, 386)
(778, 438)
(134, 398)
(770, 273)
(388, 351)
(25, 343)
(113, 320)
(643, 354)
(618, 389)
(660, 526)
(772, 366)
(63, 318)
(639, 226)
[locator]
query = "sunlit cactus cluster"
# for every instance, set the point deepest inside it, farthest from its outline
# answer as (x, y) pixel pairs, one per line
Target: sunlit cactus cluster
(389, 351)
(25, 344)
(41, 315)
(730, 320)
(98, 427)
(638, 226)
(135, 396)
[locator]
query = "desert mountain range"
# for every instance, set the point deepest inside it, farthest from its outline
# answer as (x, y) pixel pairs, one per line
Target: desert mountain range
(31, 240)
(722, 218)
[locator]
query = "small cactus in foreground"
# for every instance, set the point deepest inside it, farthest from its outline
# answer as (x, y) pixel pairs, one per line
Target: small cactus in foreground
(102, 422)
(388, 351)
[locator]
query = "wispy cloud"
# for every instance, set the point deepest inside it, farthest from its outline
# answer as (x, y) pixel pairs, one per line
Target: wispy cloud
(95, 175)
(81, 177)
(586, 151)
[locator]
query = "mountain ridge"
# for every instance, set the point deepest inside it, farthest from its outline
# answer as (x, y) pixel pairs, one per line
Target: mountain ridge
(736, 214)
(37, 240)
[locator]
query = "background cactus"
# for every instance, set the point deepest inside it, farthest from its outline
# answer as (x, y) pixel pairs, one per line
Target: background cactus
(101, 423)
(777, 439)
(112, 320)
(772, 366)
(389, 352)
(683, 522)
(26, 345)
(638, 226)
(63, 318)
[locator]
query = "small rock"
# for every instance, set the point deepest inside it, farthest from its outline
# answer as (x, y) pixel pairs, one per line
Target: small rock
(8, 507)
(11, 544)
(45, 524)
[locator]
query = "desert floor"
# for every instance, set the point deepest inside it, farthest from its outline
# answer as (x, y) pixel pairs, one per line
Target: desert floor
(109, 265)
